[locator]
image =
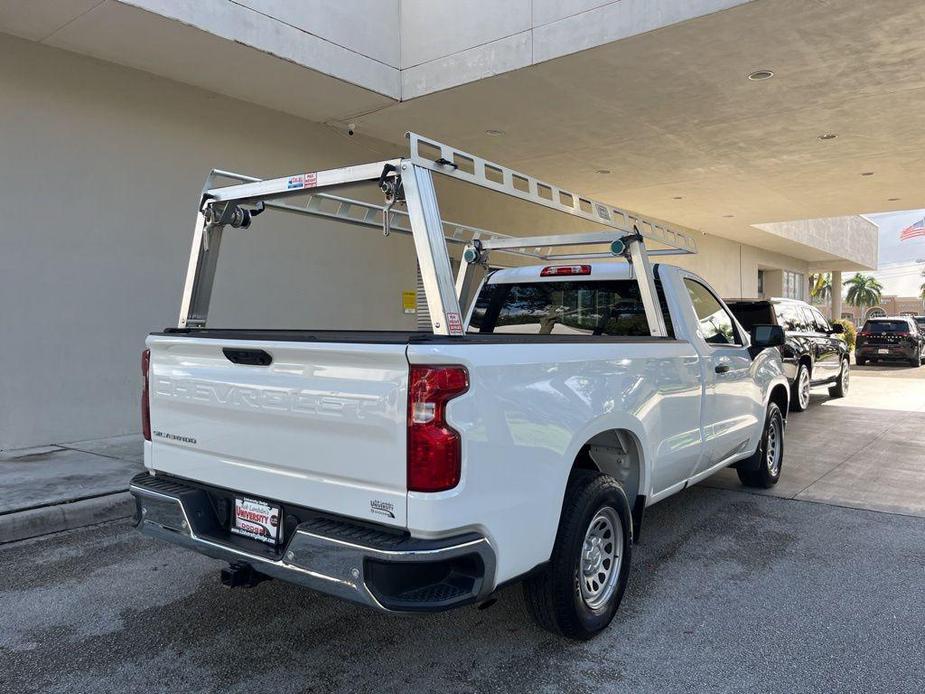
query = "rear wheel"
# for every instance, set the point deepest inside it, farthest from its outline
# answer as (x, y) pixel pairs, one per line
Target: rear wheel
(917, 361)
(840, 389)
(799, 398)
(579, 591)
(860, 362)
(763, 468)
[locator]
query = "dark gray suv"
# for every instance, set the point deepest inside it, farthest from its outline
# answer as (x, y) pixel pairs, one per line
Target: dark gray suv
(890, 339)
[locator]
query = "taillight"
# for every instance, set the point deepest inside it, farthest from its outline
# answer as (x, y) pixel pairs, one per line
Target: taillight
(145, 405)
(434, 448)
(558, 270)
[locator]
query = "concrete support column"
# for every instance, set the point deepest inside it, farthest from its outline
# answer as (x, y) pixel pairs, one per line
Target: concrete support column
(836, 294)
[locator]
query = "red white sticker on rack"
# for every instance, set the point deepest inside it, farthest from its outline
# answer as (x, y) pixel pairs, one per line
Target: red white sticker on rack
(454, 324)
(306, 180)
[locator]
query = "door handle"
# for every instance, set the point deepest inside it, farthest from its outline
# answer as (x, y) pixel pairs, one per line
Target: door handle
(250, 357)
(721, 368)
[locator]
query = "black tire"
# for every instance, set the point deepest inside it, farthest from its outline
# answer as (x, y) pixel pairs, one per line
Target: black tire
(554, 596)
(798, 404)
(840, 389)
(860, 362)
(917, 362)
(758, 470)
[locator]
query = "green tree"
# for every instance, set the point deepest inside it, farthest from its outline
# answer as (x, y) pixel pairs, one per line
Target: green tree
(821, 289)
(863, 290)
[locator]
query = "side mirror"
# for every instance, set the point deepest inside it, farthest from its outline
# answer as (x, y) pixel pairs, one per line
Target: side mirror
(764, 336)
(838, 328)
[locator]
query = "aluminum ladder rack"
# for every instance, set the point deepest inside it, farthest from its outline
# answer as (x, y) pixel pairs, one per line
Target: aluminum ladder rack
(408, 181)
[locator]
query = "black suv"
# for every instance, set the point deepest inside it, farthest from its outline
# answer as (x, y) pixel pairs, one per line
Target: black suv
(813, 354)
(890, 339)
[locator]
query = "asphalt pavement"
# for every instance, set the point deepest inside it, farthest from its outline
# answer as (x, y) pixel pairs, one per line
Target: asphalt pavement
(730, 592)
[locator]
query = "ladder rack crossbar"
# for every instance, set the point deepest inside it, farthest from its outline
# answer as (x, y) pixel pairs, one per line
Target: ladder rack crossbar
(370, 214)
(464, 166)
(364, 213)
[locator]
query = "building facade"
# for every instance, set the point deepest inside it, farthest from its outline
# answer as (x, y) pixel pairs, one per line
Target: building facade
(888, 306)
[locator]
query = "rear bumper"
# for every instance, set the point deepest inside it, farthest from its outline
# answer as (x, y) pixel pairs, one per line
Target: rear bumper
(382, 569)
(905, 353)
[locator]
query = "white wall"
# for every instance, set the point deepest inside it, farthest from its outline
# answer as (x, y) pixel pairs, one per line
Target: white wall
(100, 172)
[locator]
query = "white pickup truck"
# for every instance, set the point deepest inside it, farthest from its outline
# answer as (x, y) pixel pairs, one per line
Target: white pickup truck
(519, 439)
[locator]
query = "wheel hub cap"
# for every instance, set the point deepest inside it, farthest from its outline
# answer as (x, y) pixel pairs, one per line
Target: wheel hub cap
(804, 387)
(601, 557)
(774, 449)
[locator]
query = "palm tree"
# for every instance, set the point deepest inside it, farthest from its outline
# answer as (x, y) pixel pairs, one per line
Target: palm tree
(821, 290)
(863, 290)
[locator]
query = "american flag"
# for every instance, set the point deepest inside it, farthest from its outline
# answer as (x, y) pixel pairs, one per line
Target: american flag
(911, 232)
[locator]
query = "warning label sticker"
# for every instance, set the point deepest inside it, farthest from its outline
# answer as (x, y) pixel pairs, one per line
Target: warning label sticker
(311, 180)
(454, 324)
(296, 182)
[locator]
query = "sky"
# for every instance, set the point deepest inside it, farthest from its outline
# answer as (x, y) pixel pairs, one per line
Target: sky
(901, 262)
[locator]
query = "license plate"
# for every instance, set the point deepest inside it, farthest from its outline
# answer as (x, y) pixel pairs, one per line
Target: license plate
(883, 351)
(257, 520)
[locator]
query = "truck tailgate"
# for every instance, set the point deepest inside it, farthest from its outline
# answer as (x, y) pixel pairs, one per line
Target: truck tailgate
(322, 426)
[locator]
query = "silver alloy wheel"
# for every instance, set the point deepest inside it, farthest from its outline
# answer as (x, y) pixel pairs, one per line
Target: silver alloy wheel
(601, 558)
(774, 447)
(803, 387)
(845, 369)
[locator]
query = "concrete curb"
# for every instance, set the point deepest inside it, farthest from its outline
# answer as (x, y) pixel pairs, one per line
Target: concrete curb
(22, 525)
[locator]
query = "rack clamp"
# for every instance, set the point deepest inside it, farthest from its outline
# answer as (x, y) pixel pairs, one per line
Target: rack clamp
(475, 253)
(621, 246)
(391, 187)
(218, 215)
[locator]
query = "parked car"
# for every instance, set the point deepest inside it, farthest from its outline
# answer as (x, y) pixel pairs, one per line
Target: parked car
(814, 354)
(920, 322)
(416, 471)
(890, 339)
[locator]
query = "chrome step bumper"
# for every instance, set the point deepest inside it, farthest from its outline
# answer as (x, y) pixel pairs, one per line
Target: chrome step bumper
(385, 571)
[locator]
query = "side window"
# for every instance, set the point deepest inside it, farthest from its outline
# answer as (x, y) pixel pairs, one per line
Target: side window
(809, 321)
(822, 325)
(790, 318)
(715, 323)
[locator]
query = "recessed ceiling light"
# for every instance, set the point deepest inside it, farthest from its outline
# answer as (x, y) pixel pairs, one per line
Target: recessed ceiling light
(761, 75)
(827, 136)
(867, 173)
(728, 216)
(494, 132)
(892, 199)
(678, 197)
(603, 172)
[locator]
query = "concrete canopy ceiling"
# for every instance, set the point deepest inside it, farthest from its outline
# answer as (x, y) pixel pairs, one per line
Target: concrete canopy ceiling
(688, 138)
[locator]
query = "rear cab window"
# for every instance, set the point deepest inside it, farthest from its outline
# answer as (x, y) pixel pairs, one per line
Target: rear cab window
(572, 307)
